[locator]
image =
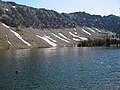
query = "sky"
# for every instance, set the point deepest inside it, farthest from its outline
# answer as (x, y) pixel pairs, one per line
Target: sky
(97, 7)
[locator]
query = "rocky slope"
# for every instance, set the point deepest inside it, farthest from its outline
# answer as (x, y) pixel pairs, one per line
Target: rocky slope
(26, 27)
(16, 15)
(31, 37)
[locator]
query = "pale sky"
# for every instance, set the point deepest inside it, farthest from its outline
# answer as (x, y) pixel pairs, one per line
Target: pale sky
(97, 7)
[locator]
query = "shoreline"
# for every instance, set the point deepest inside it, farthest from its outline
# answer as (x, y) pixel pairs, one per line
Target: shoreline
(61, 47)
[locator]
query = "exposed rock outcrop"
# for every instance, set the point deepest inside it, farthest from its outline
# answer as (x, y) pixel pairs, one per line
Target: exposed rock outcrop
(26, 27)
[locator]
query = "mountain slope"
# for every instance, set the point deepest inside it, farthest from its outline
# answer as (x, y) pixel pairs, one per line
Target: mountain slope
(30, 37)
(16, 15)
(27, 27)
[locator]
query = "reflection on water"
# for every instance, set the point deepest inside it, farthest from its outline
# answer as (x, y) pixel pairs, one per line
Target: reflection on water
(60, 69)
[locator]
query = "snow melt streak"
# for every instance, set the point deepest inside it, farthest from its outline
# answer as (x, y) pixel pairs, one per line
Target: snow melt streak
(75, 32)
(83, 38)
(48, 37)
(5, 25)
(75, 29)
(73, 35)
(9, 42)
(91, 30)
(75, 39)
(86, 32)
(47, 40)
(63, 36)
(17, 35)
(6, 9)
(97, 30)
(60, 38)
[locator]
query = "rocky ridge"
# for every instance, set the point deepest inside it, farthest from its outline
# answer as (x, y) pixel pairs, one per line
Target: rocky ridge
(27, 27)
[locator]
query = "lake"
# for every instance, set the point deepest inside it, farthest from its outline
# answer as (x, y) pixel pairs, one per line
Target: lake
(84, 68)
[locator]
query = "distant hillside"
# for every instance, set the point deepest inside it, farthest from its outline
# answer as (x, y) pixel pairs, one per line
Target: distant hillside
(16, 15)
(27, 27)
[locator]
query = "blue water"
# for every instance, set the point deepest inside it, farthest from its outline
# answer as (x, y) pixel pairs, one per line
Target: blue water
(82, 68)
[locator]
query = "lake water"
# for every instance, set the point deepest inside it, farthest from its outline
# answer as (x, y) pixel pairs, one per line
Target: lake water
(60, 69)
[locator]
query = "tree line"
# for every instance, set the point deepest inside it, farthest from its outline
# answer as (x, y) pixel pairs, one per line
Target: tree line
(100, 42)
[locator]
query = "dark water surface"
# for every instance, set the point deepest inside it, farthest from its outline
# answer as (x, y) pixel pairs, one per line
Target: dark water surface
(60, 69)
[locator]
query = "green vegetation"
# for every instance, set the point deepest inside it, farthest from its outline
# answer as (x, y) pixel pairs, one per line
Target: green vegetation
(100, 42)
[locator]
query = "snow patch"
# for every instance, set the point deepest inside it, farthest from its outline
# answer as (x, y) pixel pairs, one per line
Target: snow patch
(75, 39)
(6, 9)
(63, 36)
(47, 40)
(48, 37)
(75, 29)
(13, 6)
(19, 37)
(83, 38)
(5, 25)
(9, 42)
(75, 32)
(86, 32)
(60, 38)
(97, 30)
(91, 29)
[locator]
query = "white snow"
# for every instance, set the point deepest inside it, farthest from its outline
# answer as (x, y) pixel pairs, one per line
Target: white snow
(7, 39)
(60, 38)
(83, 38)
(75, 32)
(86, 32)
(13, 6)
(97, 30)
(47, 40)
(6, 9)
(5, 25)
(9, 42)
(17, 35)
(62, 35)
(91, 29)
(75, 39)
(75, 29)
(48, 37)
